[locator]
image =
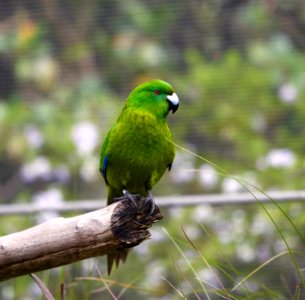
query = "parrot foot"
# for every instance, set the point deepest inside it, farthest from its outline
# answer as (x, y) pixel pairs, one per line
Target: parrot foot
(149, 201)
(130, 197)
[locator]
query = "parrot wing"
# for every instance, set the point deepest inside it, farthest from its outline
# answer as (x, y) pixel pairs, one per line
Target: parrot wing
(104, 157)
(121, 254)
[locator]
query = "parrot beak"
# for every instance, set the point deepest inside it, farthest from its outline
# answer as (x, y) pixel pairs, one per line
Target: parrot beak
(173, 102)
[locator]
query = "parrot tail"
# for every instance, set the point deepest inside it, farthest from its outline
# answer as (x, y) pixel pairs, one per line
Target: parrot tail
(117, 256)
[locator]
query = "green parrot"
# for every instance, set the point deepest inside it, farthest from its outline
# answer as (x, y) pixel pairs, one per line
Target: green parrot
(137, 149)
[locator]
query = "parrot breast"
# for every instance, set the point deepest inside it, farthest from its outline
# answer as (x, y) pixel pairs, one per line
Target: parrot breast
(139, 152)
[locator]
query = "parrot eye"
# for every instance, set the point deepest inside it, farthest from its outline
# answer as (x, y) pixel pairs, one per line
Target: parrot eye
(157, 92)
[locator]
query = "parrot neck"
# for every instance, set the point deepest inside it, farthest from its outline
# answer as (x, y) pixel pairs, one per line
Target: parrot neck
(139, 112)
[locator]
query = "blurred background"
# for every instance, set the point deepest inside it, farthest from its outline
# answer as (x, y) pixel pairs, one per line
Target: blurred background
(238, 67)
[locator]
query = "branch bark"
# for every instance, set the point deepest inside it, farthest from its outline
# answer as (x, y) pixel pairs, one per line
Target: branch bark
(65, 240)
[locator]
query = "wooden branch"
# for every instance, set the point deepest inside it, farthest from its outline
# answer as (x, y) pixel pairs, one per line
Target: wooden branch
(65, 240)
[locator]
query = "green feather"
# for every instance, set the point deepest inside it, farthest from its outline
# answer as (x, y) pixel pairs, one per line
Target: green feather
(137, 150)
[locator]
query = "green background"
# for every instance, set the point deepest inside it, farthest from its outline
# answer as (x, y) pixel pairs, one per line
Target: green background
(238, 68)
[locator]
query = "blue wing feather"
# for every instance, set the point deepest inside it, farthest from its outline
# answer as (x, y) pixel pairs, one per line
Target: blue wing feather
(104, 168)
(104, 158)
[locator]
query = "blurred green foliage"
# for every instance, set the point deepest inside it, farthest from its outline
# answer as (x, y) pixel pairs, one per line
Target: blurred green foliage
(238, 67)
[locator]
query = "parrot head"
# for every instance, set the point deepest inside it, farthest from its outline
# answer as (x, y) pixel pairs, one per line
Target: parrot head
(155, 96)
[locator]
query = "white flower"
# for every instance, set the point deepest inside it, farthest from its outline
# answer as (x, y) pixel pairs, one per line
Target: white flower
(85, 137)
(288, 93)
(225, 237)
(203, 213)
(263, 252)
(45, 69)
(208, 177)
(62, 174)
(245, 252)
(175, 211)
(33, 136)
(89, 169)
(280, 158)
(157, 235)
(279, 245)
(156, 273)
(223, 228)
(183, 168)
(183, 174)
(261, 226)
(230, 185)
(39, 168)
(151, 54)
(208, 276)
(192, 231)
(142, 250)
(47, 199)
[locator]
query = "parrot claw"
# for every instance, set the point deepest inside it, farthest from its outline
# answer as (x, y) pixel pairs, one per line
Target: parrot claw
(149, 200)
(130, 197)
